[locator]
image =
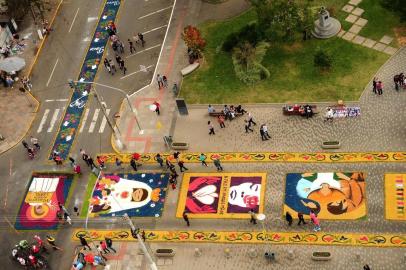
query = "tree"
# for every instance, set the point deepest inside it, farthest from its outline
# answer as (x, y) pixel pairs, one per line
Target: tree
(397, 6)
(247, 62)
(278, 20)
(322, 59)
(193, 40)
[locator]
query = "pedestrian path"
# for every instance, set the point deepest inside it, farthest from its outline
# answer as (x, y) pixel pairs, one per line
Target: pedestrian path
(238, 157)
(77, 104)
(253, 237)
(93, 121)
(355, 18)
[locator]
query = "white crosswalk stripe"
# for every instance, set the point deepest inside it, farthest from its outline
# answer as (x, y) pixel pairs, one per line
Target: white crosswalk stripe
(94, 120)
(51, 119)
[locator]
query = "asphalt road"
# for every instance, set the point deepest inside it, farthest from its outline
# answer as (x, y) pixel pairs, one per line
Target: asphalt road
(60, 60)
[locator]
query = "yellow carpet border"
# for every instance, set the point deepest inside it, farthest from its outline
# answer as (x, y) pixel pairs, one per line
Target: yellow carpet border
(257, 237)
(240, 157)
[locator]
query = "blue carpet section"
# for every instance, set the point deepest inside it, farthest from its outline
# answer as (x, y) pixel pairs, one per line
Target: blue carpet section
(71, 120)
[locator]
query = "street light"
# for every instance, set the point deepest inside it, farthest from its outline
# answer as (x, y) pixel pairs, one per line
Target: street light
(114, 128)
(133, 110)
(135, 232)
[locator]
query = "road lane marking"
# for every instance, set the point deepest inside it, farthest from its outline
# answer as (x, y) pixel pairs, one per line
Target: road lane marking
(43, 120)
(90, 19)
(157, 28)
(104, 121)
(94, 120)
(52, 72)
(74, 18)
(53, 120)
(155, 12)
(84, 120)
(52, 100)
(147, 49)
(135, 72)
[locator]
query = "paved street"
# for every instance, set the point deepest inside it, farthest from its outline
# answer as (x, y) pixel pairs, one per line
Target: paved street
(379, 128)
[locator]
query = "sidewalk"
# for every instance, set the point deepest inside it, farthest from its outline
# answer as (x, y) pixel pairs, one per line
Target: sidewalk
(19, 109)
(173, 59)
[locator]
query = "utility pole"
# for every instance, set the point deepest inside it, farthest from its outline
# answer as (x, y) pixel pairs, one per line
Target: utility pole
(135, 231)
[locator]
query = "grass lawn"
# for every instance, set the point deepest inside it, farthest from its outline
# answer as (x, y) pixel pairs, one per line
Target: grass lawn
(85, 206)
(293, 77)
(380, 21)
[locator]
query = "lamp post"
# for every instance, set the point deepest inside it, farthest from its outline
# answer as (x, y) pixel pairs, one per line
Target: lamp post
(151, 262)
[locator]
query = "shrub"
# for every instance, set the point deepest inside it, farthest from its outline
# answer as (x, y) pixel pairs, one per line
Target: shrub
(322, 59)
(246, 34)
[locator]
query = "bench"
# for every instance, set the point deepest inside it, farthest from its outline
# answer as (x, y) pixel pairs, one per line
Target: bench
(321, 256)
(331, 145)
(179, 146)
(221, 113)
(165, 252)
(286, 111)
(189, 69)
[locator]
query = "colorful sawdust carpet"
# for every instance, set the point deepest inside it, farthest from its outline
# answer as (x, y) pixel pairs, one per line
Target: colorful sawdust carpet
(221, 195)
(339, 195)
(395, 199)
(38, 210)
(249, 237)
(141, 194)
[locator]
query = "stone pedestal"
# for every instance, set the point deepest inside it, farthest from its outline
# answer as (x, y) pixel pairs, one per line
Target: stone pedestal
(326, 26)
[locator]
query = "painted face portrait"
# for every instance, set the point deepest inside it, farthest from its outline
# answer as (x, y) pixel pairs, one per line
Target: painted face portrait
(245, 195)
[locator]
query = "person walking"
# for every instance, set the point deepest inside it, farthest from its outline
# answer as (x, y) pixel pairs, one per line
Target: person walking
(91, 163)
(72, 161)
(118, 60)
(379, 87)
(100, 251)
(113, 67)
(173, 179)
(51, 242)
(220, 120)
(104, 248)
(131, 46)
(262, 133)
(109, 243)
(141, 38)
(159, 80)
(182, 166)
(253, 216)
(374, 82)
(122, 66)
(186, 218)
(67, 218)
(157, 107)
(100, 161)
(218, 164)
(165, 81)
(265, 129)
(133, 164)
(176, 155)
(144, 238)
(247, 127)
(159, 160)
(168, 164)
(251, 120)
(118, 163)
(34, 142)
(211, 128)
(289, 218)
(315, 221)
(301, 219)
(83, 242)
(25, 144)
(77, 169)
(202, 159)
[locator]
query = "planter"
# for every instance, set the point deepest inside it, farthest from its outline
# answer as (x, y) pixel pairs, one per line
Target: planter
(331, 145)
(321, 256)
(179, 146)
(165, 252)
